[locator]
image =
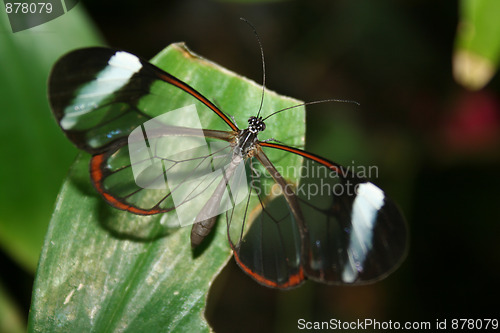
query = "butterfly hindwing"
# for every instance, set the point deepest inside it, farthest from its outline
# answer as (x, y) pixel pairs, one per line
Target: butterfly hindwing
(267, 242)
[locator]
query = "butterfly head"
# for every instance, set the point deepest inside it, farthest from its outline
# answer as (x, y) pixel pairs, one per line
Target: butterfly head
(256, 125)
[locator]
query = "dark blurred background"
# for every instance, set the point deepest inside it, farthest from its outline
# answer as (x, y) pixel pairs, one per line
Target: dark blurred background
(435, 143)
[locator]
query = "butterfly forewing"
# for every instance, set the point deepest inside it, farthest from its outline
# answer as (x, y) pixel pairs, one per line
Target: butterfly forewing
(331, 226)
(355, 233)
(94, 93)
(148, 131)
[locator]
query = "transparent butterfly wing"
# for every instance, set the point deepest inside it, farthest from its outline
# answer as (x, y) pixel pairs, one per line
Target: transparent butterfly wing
(267, 242)
(146, 129)
(99, 95)
(355, 235)
(331, 226)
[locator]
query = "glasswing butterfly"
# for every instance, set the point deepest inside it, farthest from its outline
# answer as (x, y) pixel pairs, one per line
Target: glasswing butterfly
(321, 222)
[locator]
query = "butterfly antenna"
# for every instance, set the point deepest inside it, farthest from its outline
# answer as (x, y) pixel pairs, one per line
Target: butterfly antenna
(314, 102)
(263, 62)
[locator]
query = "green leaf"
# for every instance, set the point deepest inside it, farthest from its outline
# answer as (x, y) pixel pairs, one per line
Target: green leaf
(35, 154)
(477, 45)
(106, 270)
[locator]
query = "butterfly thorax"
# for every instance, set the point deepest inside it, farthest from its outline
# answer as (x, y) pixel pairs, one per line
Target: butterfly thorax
(246, 139)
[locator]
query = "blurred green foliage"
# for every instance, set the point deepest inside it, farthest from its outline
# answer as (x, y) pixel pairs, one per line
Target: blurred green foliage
(11, 318)
(34, 155)
(477, 47)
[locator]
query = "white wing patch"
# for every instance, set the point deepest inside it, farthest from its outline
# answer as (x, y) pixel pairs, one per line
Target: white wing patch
(122, 66)
(368, 201)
